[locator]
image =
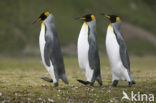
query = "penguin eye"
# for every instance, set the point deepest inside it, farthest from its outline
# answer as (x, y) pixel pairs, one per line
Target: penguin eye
(88, 17)
(44, 15)
(113, 20)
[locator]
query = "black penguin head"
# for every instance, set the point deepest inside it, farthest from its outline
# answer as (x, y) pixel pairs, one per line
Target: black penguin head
(42, 17)
(88, 17)
(112, 18)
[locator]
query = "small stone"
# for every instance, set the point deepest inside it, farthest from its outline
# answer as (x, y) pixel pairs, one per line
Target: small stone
(16, 94)
(59, 90)
(50, 100)
(43, 85)
(39, 99)
(0, 94)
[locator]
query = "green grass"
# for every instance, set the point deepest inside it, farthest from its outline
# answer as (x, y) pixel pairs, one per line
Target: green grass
(20, 81)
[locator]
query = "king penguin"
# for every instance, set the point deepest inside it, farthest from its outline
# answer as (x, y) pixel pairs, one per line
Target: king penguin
(117, 52)
(50, 49)
(88, 56)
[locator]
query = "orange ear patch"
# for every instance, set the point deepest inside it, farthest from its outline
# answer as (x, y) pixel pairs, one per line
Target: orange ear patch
(117, 19)
(46, 14)
(93, 17)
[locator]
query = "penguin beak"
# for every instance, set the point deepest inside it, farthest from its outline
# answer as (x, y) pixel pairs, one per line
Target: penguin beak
(81, 18)
(38, 20)
(107, 16)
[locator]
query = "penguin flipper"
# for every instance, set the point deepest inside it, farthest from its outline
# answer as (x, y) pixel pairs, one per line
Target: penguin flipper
(47, 79)
(83, 82)
(48, 49)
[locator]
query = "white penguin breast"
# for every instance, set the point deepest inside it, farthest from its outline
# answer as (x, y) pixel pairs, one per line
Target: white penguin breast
(83, 46)
(42, 41)
(112, 47)
(119, 72)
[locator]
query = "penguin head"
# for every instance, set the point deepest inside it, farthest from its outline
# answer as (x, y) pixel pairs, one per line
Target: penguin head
(112, 18)
(42, 17)
(88, 17)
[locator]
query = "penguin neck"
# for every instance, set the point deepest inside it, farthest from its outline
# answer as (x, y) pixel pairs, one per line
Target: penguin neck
(42, 25)
(110, 25)
(49, 21)
(92, 23)
(50, 25)
(42, 29)
(117, 24)
(85, 23)
(110, 29)
(92, 26)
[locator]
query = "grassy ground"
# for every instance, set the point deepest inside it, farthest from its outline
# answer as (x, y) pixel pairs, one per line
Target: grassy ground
(20, 81)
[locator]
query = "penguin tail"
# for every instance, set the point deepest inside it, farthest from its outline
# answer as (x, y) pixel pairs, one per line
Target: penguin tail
(83, 82)
(64, 79)
(99, 80)
(47, 79)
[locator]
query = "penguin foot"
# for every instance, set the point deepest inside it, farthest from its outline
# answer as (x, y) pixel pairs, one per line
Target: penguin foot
(56, 84)
(115, 83)
(85, 82)
(133, 82)
(100, 84)
(130, 84)
(47, 79)
(91, 83)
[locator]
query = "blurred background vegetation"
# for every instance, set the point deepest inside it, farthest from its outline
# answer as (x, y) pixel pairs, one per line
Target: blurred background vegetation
(18, 36)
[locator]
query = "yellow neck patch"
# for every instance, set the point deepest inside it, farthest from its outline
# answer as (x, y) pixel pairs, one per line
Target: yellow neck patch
(110, 26)
(85, 23)
(42, 25)
(85, 28)
(93, 17)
